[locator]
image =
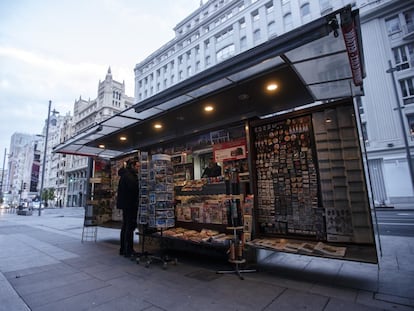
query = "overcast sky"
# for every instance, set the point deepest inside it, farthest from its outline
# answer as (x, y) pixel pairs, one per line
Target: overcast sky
(59, 50)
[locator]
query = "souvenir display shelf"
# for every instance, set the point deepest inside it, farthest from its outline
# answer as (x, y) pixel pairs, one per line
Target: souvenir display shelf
(156, 208)
(287, 180)
(101, 191)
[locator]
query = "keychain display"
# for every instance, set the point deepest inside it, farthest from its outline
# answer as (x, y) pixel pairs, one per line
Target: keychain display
(287, 178)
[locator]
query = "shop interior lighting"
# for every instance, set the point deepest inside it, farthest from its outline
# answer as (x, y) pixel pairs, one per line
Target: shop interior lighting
(271, 87)
(122, 138)
(208, 108)
(157, 126)
(328, 120)
(101, 146)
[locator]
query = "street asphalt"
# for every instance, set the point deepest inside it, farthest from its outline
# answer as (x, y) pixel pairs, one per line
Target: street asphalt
(45, 266)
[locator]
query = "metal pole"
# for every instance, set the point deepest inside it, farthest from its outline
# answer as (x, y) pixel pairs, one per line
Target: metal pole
(403, 129)
(44, 159)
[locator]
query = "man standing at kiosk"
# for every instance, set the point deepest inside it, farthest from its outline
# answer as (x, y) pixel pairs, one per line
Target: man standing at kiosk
(127, 201)
(212, 170)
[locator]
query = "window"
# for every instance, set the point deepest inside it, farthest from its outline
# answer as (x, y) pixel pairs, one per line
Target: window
(224, 34)
(325, 5)
(409, 20)
(271, 28)
(287, 21)
(393, 25)
(243, 43)
(242, 24)
(410, 119)
(255, 16)
(256, 35)
(225, 52)
(269, 7)
(305, 12)
(407, 90)
(400, 57)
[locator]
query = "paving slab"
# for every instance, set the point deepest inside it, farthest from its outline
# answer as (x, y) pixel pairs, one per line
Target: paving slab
(61, 273)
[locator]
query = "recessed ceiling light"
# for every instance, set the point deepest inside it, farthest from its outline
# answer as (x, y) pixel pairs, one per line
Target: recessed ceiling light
(157, 125)
(208, 108)
(123, 138)
(272, 87)
(101, 146)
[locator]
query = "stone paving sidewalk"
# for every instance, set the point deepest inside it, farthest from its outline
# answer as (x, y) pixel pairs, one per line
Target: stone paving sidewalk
(44, 266)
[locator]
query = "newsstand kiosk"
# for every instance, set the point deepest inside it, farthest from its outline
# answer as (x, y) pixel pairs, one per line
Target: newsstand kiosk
(281, 123)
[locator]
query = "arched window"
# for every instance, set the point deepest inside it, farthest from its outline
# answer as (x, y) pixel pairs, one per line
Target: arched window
(225, 52)
(271, 28)
(305, 13)
(287, 21)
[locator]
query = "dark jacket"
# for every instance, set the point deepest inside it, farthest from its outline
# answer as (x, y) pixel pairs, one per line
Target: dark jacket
(128, 190)
(212, 171)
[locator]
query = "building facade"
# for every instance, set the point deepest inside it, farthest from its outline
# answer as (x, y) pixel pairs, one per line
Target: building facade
(23, 168)
(53, 163)
(86, 113)
(387, 109)
(220, 29)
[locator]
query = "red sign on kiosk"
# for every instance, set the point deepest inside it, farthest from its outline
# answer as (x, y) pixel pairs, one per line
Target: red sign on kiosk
(230, 151)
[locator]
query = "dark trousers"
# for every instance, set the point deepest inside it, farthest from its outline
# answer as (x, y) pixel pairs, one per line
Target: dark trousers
(129, 223)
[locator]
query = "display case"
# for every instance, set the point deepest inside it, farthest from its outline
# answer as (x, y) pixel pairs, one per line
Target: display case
(143, 207)
(161, 193)
(287, 180)
(100, 191)
(312, 196)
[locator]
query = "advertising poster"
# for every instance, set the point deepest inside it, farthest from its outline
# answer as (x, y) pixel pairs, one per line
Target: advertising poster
(230, 151)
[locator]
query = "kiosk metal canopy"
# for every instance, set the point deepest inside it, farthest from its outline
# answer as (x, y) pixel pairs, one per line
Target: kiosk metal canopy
(318, 62)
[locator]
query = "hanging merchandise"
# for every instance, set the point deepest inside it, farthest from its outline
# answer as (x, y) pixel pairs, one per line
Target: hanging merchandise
(143, 188)
(287, 178)
(161, 193)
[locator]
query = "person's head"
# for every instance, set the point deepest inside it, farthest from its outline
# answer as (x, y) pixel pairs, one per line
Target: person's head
(133, 164)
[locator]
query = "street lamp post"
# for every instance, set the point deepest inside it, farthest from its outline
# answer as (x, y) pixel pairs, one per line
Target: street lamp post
(44, 159)
(2, 174)
(400, 114)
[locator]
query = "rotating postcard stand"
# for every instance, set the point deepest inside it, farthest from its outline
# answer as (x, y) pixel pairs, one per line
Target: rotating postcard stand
(235, 222)
(156, 206)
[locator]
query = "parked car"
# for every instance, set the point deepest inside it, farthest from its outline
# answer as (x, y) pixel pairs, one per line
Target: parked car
(4, 205)
(24, 209)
